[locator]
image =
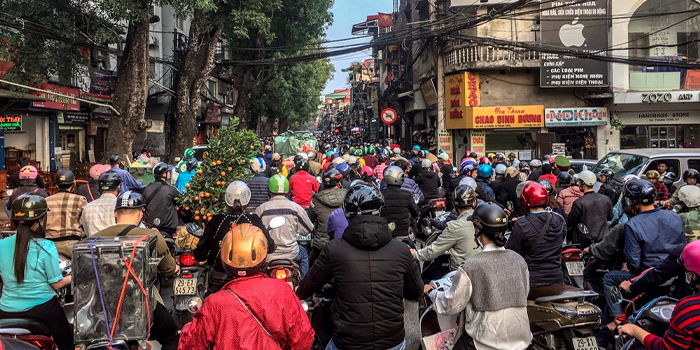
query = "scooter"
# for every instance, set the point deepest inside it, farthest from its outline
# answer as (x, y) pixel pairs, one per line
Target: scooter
(653, 316)
(430, 210)
(572, 263)
(189, 287)
(284, 269)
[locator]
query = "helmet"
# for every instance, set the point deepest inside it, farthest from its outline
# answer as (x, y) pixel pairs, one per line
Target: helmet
(302, 164)
(338, 160)
(352, 160)
(366, 171)
(65, 177)
(238, 191)
(28, 173)
(109, 181)
(382, 156)
(191, 164)
(372, 149)
(362, 199)
(416, 148)
(130, 200)
(587, 177)
(160, 169)
(485, 171)
(511, 154)
(358, 152)
(99, 169)
(394, 176)
(257, 165)
(535, 163)
(310, 154)
(426, 163)
(512, 172)
(189, 153)
(547, 185)
(396, 150)
(344, 168)
(639, 192)
(501, 169)
(607, 172)
(114, 159)
(491, 220)
(534, 195)
(276, 156)
(473, 155)
(524, 166)
(401, 163)
(467, 166)
(243, 250)
(670, 175)
(468, 181)
(444, 156)
(691, 257)
(690, 196)
(422, 154)
(564, 178)
(628, 177)
(500, 156)
(653, 174)
(278, 184)
(464, 196)
(520, 187)
(332, 177)
(691, 173)
(303, 155)
(29, 207)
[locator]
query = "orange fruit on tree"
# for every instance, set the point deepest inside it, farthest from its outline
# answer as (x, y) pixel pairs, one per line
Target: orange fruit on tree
(196, 218)
(229, 168)
(196, 198)
(218, 183)
(187, 208)
(207, 195)
(223, 173)
(218, 162)
(213, 163)
(196, 212)
(188, 185)
(209, 218)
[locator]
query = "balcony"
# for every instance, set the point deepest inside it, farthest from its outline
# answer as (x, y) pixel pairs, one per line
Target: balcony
(479, 56)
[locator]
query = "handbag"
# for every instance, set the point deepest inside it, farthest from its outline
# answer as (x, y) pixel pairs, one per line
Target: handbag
(254, 317)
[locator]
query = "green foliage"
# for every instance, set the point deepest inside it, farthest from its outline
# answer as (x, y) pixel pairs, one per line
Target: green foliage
(226, 160)
(617, 124)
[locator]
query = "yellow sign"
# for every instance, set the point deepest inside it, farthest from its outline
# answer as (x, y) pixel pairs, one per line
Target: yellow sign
(477, 141)
(461, 93)
(499, 117)
(445, 142)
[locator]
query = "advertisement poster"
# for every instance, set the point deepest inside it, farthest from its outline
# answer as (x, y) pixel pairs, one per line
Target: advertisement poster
(477, 141)
(445, 142)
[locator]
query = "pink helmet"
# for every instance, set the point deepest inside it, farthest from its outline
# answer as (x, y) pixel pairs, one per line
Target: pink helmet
(366, 170)
(28, 173)
(99, 169)
(691, 257)
(552, 159)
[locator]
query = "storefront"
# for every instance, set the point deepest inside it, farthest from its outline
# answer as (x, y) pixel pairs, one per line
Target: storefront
(581, 130)
(658, 119)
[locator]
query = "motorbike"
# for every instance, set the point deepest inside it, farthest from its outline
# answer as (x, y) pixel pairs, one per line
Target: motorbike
(431, 322)
(572, 262)
(654, 316)
(189, 287)
(321, 318)
(430, 210)
(284, 269)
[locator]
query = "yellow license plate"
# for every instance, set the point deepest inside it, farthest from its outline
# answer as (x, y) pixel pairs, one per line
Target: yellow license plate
(184, 286)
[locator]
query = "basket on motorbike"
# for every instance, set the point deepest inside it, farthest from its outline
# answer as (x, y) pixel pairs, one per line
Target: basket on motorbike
(99, 273)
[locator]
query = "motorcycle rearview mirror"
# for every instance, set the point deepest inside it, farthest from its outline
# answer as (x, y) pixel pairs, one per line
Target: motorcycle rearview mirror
(616, 295)
(677, 208)
(583, 228)
(277, 222)
(194, 229)
(510, 206)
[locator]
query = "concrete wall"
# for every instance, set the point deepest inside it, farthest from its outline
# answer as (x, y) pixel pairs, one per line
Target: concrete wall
(521, 87)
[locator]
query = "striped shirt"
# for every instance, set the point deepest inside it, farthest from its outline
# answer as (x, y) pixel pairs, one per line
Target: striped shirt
(684, 331)
(63, 218)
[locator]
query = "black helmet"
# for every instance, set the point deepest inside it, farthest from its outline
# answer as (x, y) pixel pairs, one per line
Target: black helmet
(401, 163)
(464, 196)
(130, 200)
(114, 159)
(160, 169)
(109, 181)
(473, 155)
(491, 220)
(362, 199)
(64, 177)
(191, 163)
(547, 185)
(607, 172)
(511, 154)
(691, 173)
(564, 178)
(29, 207)
(394, 176)
(301, 164)
(639, 191)
(331, 178)
(421, 154)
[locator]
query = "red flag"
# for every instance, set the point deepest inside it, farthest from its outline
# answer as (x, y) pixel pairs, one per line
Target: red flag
(386, 20)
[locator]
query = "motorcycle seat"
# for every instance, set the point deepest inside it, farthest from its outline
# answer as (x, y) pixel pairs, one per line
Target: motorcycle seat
(19, 326)
(280, 263)
(559, 292)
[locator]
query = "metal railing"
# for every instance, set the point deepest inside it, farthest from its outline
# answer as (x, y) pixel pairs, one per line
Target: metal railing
(471, 56)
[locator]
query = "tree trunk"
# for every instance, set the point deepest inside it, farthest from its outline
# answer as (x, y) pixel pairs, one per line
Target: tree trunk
(131, 91)
(194, 70)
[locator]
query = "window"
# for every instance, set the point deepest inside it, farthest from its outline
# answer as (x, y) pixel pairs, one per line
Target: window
(691, 50)
(693, 164)
(211, 87)
(180, 23)
(638, 47)
(672, 165)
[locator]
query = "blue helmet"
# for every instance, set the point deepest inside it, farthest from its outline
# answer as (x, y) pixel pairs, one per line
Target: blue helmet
(467, 166)
(485, 171)
(344, 168)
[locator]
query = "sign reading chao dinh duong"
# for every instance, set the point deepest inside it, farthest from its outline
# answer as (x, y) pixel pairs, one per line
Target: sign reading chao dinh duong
(10, 123)
(499, 117)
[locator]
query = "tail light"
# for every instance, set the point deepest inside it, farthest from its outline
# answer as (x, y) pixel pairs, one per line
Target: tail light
(40, 341)
(280, 274)
(188, 260)
(571, 254)
(440, 204)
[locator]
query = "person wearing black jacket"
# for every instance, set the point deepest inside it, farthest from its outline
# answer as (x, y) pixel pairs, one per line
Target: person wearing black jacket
(399, 206)
(497, 184)
(161, 211)
(509, 192)
(13, 181)
(373, 274)
(447, 179)
(592, 209)
(428, 181)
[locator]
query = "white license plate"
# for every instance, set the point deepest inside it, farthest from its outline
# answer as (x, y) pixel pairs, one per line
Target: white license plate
(588, 343)
(184, 286)
(575, 268)
(439, 213)
(306, 238)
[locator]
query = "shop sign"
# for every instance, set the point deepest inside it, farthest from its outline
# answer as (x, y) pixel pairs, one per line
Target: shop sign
(445, 142)
(574, 116)
(212, 114)
(461, 92)
(10, 123)
(659, 117)
(500, 117)
(574, 26)
(58, 102)
(429, 94)
(477, 141)
(691, 81)
(75, 118)
(657, 97)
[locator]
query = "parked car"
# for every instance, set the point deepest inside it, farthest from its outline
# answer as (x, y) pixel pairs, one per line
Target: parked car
(579, 165)
(639, 161)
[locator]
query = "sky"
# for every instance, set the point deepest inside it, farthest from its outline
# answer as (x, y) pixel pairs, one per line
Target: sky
(345, 14)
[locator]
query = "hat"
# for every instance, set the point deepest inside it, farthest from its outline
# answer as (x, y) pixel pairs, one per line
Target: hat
(98, 169)
(562, 161)
(276, 156)
(512, 172)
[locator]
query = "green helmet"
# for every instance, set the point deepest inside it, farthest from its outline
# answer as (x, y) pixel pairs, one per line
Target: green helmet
(358, 152)
(372, 149)
(189, 153)
(182, 166)
(278, 184)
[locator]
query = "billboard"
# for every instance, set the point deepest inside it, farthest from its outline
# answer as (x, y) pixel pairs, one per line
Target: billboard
(580, 27)
(457, 3)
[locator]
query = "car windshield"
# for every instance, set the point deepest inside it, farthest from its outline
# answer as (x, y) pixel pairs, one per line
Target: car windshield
(621, 164)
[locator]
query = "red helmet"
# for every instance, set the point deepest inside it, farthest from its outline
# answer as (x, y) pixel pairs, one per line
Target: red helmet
(534, 195)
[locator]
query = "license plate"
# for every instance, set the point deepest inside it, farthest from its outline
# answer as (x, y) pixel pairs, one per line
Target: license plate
(306, 238)
(439, 213)
(588, 343)
(575, 268)
(184, 286)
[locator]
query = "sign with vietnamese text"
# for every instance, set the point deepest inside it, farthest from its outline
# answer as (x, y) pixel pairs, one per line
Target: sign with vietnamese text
(477, 141)
(10, 123)
(429, 94)
(658, 117)
(445, 142)
(500, 117)
(74, 118)
(67, 102)
(461, 93)
(575, 116)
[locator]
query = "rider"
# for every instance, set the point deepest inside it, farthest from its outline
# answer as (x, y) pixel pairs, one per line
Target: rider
(30, 271)
(27, 184)
(99, 214)
(553, 205)
(258, 183)
(569, 195)
(296, 222)
(91, 190)
(399, 206)
(128, 181)
(313, 164)
(447, 178)
(129, 213)
(371, 269)
(65, 209)
(513, 160)
(538, 237)
(208, 248)
(322, 206)
(496, 315)
(668, 180)
(498, 184)
(427, 180)
(563, 181)
(483, 176)
(459, 236)
(302, 185)
(535, 170)
(690, 177)
(608, 186)
(547, 174)
(661, 189)
(186, 176)
(13, 181)
(690, 198)
(409, 185)
(252, 311)
(160, 197)
(370, 159)
(592, 209)
(381, 165)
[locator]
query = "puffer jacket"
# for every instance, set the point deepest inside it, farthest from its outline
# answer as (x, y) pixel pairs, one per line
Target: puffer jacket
(224, 323)
(373, 274)
(398, 209)
(410, 186)
(429, 183)
(258, 190)
(544, 259)
(321, 208)
(568, 196)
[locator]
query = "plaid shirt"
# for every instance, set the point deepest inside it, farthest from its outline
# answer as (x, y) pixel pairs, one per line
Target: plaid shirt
(63, 218)
(99, 214)
(661, 191)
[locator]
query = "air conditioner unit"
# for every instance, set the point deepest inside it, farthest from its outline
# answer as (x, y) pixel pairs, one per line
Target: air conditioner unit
(152, 40)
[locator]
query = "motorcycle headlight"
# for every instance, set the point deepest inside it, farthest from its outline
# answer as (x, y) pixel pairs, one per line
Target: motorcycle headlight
(194, 304)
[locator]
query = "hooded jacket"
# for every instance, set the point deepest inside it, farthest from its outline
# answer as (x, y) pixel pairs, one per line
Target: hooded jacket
(398, 208)
(373, 274)
(568, 196)
(544, 258)
(429, 183)
(161, 210)
(410, 186)
(258, 190)
(321, 208)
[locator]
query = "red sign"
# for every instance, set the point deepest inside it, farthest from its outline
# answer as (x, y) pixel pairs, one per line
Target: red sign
(389, 116)
(58, 102)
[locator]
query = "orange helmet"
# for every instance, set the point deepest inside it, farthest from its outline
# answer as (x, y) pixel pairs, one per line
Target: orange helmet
(243, 250)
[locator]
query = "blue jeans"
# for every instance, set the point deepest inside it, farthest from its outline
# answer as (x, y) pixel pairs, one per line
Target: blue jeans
(302, 260)
(614, 278)
(402, 346)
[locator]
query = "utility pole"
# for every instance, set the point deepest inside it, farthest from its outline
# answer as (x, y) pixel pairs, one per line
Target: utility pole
(440, 74)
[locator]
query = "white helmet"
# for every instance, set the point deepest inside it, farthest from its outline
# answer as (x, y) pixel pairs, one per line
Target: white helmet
(588, 177)
(338, 160)
(690, 196)
(501, 169)
(444, 156)
(535, 163)
(471, 182)
(352, 160)
(237, 191)
(426, 163)
(257, 164)
(311, 154)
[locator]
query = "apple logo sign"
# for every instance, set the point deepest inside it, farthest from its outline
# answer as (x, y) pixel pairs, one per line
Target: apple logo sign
(572, 34)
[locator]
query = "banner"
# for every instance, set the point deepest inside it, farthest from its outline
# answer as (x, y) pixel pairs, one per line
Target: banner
(11, 123)
(500, 117)
(477, 142)
(445, 143)
(58, 102)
